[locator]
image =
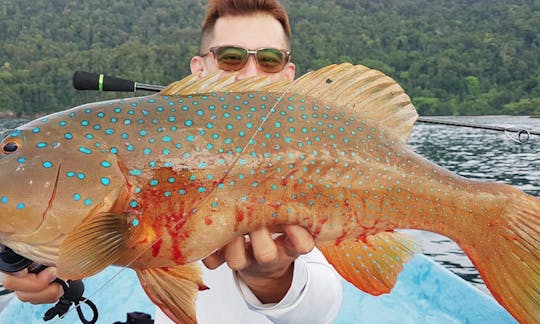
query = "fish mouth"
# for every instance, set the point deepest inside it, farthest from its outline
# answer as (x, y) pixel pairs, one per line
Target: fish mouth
(53, 196)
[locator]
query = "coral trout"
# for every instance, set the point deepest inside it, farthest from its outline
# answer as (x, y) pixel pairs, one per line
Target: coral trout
(158, 182)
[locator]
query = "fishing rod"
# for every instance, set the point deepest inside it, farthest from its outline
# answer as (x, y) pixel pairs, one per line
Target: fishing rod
(523, 134)
(100, 82)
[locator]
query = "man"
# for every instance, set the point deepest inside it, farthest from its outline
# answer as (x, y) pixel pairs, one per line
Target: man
(269, 279)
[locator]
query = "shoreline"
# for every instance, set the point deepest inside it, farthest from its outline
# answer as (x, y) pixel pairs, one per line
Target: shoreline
(12, 114)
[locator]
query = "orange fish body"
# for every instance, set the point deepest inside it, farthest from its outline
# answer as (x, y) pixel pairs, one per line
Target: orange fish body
(156, 183)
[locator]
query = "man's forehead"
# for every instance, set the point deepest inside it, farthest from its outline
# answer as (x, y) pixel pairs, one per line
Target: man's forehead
(252, 31)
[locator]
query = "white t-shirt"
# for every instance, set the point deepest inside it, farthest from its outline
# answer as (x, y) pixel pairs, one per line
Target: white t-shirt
(314, 297)
(5, 295)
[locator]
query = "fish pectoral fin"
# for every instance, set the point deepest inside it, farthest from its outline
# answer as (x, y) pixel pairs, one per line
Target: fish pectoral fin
(374, 264)
(95, 244)
(173, 290)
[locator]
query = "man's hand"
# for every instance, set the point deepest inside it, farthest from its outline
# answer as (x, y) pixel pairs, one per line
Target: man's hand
(265, 261)
(34, 288)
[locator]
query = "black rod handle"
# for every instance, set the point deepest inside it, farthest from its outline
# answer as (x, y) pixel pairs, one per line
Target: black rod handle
(100, 82)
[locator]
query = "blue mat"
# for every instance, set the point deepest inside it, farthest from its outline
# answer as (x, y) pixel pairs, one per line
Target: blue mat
(425, 293)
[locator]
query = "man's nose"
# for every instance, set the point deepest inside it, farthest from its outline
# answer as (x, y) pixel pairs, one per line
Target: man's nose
(249, 70)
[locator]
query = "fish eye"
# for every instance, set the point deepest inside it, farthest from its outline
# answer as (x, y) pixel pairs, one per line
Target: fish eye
(10, 146)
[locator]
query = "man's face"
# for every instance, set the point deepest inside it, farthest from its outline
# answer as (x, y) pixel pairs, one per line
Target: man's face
(249, 32)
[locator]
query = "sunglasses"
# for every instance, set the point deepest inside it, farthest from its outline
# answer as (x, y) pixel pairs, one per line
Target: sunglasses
(232, 58)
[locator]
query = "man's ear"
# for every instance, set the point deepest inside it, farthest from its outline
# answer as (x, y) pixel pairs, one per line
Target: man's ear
(290, 70)
(197, 65)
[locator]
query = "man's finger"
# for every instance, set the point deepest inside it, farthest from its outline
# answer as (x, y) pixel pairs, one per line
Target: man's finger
(214, 260)
(264, 247)
(19, 274)
(30, 282)
(51, 294)
(300, 238)
(235, 254)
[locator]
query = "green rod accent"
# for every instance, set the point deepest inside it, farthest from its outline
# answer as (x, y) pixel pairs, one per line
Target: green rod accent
(100, 82)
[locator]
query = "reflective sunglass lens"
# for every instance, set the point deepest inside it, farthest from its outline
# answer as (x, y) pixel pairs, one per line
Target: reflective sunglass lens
(231, 58)
(271, 60)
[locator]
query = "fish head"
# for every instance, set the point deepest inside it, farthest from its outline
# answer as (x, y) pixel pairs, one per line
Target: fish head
(27, 181)
(52, 177)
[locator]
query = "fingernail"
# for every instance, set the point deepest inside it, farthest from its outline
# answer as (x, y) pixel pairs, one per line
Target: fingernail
(52, 274)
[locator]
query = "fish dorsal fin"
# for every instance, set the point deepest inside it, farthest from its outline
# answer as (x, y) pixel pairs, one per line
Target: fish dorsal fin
(215, 82)
(368, 92)
(363, 90)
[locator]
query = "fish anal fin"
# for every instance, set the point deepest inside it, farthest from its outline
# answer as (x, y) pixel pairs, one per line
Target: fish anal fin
(95, 244)
(173, 290)
(373, 264)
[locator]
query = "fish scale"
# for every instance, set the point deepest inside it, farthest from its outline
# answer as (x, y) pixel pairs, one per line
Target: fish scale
(158, 182)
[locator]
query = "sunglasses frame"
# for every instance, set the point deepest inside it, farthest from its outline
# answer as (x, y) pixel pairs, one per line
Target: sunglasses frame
(286, 54)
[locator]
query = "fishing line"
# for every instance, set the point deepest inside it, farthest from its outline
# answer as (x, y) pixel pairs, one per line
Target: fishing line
(201, 202)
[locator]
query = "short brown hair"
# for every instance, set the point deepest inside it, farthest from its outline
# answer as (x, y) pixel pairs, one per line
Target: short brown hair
(221, 8)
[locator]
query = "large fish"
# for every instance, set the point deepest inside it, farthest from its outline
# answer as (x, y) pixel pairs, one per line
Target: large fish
(159, 182)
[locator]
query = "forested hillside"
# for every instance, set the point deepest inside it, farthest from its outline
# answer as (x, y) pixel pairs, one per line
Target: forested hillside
(452, 57)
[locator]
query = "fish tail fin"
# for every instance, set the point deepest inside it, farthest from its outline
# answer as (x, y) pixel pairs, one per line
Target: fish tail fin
(508, 258)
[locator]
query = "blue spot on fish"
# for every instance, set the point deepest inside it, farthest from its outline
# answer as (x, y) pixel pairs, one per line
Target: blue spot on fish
(135, 172)
(85, 150)
(47, 164)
